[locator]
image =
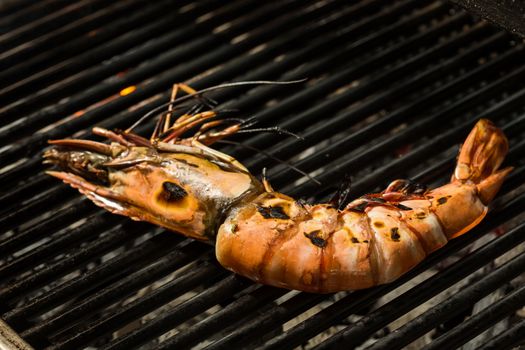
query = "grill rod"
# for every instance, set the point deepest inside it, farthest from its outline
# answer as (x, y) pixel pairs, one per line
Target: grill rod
(481, 321)
(42, 18)
(19, 54)
(454, 305)
(513, 181)
(85, 73)
(508, 339)
(111, 40)
(416, 128)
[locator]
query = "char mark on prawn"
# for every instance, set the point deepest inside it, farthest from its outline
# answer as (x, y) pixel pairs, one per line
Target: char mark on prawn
(176, 180)
(273, 212)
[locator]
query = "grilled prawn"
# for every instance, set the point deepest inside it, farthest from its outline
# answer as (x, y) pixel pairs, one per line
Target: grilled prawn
(185, 186)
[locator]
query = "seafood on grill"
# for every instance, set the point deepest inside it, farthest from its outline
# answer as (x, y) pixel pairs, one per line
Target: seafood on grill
(182, 184)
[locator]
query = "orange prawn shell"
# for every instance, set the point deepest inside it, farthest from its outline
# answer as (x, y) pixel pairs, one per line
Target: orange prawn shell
(320, 249)
(458, 207)
(313, 249)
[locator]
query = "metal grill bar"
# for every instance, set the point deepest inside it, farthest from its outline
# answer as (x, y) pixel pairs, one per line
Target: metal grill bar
(33, 12)
(266, 321)
(186, 53)
(273, 68)
(80, 27)
(305, 57)
(330, 106)
(211, 296)
(248, 303)
(302, 98)
(411, 62)
(476, 291)
(352, 141)
(63, 218)
(63, 239)
(28, 211)
(94, 73)
(115, 268)
(115, 237)
(125, 38)
(438, 143)
(481, 321)
(41, 18)
(508, 339)
(13, 8)
(109, 294)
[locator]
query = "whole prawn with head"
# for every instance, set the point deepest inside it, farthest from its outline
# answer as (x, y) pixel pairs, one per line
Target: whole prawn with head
(182, 184)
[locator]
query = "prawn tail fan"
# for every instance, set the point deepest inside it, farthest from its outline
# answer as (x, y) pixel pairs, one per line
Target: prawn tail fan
(480, 158)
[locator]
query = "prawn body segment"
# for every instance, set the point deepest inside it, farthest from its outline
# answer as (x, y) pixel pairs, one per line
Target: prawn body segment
(320, 249)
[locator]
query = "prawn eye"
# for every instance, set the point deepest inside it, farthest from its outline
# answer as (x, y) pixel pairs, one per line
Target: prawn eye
(171, 192)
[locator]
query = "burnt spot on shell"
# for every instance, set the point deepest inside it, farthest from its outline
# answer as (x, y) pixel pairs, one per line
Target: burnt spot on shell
(394, 234)
(442, 200)
(171, 192)
(402, 207)
(276, 212)
(379, 224)
(315, 239)
(421, 215)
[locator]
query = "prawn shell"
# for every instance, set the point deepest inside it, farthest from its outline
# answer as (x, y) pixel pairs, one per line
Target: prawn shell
(246, 240)
(424, 223)
(397, 248)
(458, 208)
(303, 260)
(351, 266)
(315, 249)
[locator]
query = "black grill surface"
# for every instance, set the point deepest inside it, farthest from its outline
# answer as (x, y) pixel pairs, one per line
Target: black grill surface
(393, 87)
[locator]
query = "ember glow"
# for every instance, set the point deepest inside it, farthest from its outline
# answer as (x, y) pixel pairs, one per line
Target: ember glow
(128, 90)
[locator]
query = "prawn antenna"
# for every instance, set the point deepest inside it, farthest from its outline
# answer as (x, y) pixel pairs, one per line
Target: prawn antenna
(272, 157)
(251, 121)
(209, 102)
(275, 129)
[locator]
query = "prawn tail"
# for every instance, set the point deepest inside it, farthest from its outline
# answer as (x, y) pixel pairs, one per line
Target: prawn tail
(480, 158)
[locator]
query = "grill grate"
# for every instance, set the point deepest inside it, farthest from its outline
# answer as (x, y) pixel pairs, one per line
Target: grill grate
(393, 88)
